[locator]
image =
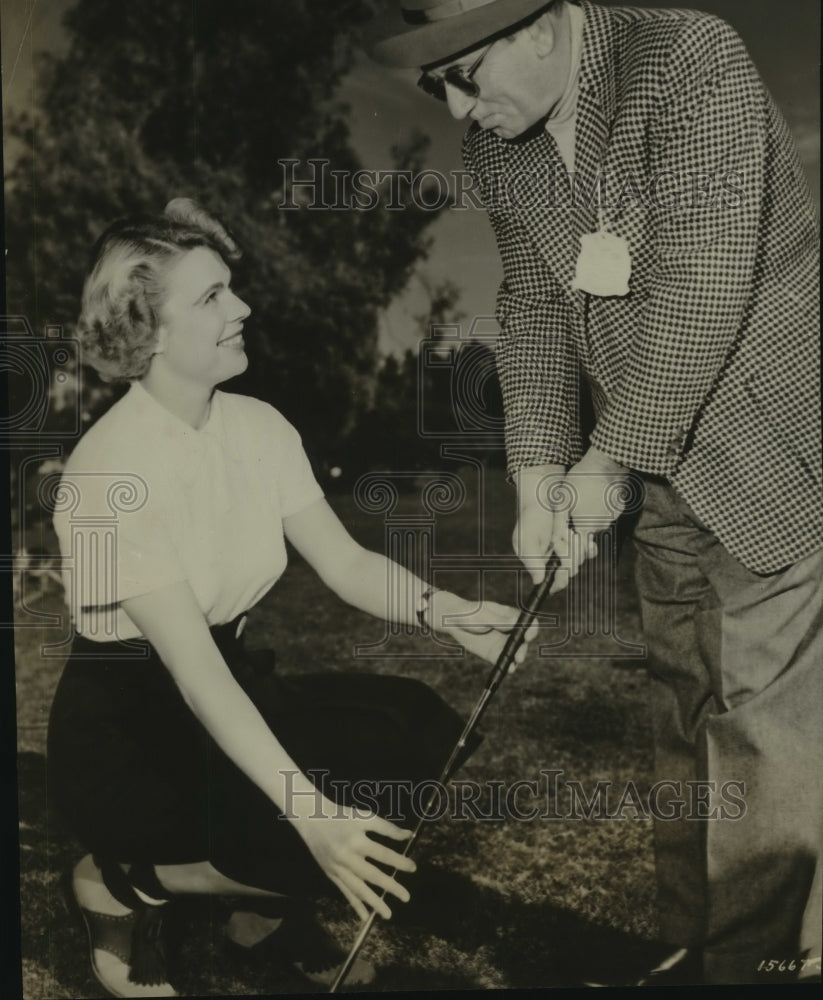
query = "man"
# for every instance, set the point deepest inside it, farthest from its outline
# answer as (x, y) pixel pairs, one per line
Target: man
(660, 251)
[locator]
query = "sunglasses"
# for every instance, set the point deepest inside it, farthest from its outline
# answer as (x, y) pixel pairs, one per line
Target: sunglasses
(456, 76)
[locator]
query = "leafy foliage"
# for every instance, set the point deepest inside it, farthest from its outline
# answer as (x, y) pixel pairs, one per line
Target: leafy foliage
(420, 403)
(167, 98)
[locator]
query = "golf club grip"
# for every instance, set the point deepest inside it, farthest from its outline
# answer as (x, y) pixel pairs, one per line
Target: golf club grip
(527, 616)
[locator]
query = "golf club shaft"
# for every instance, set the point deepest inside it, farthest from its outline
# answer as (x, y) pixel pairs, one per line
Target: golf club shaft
(513, 642)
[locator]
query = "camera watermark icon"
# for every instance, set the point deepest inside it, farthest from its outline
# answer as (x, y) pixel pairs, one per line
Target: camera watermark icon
(44, 382)
(458, 393)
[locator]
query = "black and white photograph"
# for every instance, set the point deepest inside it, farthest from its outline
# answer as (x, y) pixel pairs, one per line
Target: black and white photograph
(413, 533)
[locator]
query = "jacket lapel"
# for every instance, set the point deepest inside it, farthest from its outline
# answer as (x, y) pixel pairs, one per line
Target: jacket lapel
(596, 104)
(540, 181)
(529, 180)
(566, 210)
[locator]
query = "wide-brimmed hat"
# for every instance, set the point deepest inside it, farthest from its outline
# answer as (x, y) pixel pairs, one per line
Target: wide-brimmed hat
(421, 32)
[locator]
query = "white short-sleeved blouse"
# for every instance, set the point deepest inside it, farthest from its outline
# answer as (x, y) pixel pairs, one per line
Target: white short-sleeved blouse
(146, 501)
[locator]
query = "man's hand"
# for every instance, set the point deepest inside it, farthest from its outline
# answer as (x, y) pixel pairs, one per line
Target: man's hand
(599, 487)
(562, 511)
(540, 517)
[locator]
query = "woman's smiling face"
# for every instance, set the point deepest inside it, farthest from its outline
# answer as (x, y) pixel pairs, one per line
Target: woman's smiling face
(200, 334)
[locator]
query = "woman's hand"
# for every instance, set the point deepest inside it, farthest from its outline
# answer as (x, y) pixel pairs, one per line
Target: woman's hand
(481, 629)
(340, 843)
(339, 838)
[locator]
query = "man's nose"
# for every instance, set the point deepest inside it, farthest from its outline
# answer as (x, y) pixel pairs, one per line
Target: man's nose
(460, 104)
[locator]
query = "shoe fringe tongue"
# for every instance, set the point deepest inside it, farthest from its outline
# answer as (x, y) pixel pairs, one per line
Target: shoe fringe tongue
(148, 956)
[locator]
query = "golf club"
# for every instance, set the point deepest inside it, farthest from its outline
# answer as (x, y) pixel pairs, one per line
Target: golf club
(501, 668)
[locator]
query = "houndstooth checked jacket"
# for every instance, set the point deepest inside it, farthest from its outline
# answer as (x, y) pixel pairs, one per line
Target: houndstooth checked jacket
(707, 373)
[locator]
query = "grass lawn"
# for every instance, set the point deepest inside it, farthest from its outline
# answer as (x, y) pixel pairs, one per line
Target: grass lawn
(497, 903)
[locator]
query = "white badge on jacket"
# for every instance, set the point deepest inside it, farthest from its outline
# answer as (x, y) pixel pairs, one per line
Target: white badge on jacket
(604, 265)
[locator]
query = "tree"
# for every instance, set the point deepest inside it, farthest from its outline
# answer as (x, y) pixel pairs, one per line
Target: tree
(166, 98)
(423, 401)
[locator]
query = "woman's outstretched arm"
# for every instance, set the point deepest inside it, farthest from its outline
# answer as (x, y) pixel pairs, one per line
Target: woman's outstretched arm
(383, 588)
(173, 623)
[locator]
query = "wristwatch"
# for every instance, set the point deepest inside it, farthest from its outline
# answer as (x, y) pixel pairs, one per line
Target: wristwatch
(423, 607)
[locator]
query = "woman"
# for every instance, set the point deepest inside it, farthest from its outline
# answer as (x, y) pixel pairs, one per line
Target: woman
(175, 754)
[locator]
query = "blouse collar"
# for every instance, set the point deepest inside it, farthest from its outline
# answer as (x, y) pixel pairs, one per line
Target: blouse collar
(172, 425)
(183, 446)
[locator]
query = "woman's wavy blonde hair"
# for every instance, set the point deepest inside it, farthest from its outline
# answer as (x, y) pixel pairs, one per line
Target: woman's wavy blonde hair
(125, 286)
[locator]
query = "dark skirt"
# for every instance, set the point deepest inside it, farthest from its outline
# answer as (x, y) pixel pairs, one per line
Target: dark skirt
(139, 779)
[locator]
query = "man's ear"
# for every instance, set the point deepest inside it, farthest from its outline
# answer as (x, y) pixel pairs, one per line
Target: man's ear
(544, 35)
